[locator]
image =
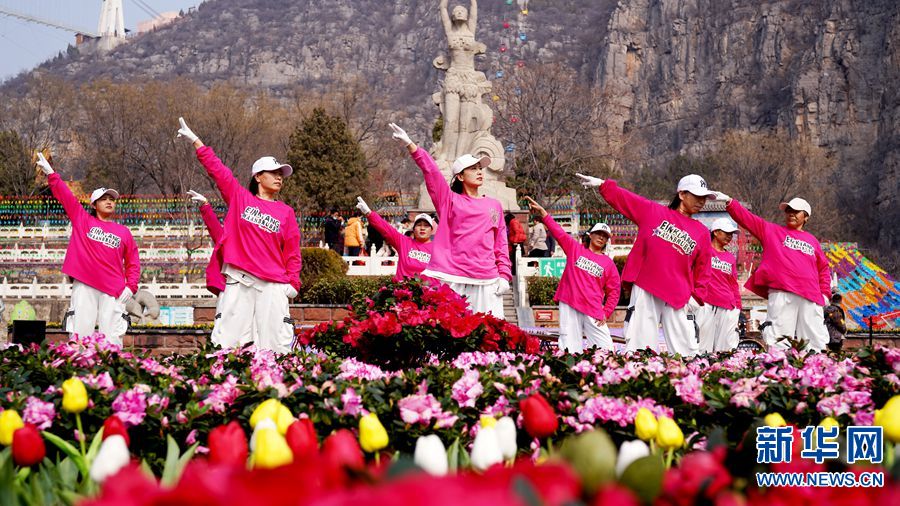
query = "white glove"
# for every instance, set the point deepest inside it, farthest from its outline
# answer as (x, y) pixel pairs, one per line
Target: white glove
(692, 306)
(186, 132)
(196, 197)
(827, 300)
(290, 291)
(502, 286)
(44, 164)
(399, 134)
(723, 197)
(125, 295)
(362, 206)
(589, 181)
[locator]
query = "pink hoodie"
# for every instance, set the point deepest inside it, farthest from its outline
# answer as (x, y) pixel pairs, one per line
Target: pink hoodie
(261, 236)
(671, 255)
(471, 241)
(101, 254)
(723, 290)
(792, 260)
(215, 280)
(590, 283)
(414, 255)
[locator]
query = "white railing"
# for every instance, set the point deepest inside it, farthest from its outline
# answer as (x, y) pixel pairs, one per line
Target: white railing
(138, 231)
(63, 290)
(57, 255)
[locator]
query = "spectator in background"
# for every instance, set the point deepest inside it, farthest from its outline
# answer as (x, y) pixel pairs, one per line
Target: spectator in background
(537, 240)
(353, 235)
(333, 225)
(374, 239)
(834, 322)
(517, 237)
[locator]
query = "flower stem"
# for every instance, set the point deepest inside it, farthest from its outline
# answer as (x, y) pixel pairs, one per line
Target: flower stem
(81, 436)
(377, 459)
(669, 455)
(549, 447)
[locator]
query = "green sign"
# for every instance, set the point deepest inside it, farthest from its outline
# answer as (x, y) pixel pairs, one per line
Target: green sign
(552, 267)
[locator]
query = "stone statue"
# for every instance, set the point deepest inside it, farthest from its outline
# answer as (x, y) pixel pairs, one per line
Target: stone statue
(467, 119)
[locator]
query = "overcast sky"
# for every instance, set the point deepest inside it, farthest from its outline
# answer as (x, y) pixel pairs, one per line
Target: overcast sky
(24, 45)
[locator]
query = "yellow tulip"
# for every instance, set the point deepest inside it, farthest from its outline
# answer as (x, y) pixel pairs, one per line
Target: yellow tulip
(271, 450)
(889, 418)
(488, 421)
(828, 423)
(10, 421)
(774, 420)
(372, 436)
(266, 409)
(283, 419)
(75, 398)
(668, 434)
(645, 424)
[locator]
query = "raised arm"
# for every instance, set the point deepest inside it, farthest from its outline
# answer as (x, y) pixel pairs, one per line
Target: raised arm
(211, 220)
(753, 223)
(632, 205)
(445, 17)
(437, 186)
(390, 234)
(228, 185)
(73, 208)
(473, 15)
(566, 242)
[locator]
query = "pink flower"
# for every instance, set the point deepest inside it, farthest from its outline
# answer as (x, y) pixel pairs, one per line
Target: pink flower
(101, 381)
(467, 389)
(845, 403)
(419, 408)
(221, 395)
(131, 405)
(690, 388)
(354, 369)
(191, 437)
(352, 403)
(39, 413)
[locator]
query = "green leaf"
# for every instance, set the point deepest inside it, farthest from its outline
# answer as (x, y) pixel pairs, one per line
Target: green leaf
(453, 456)
(644, 477)
(175, 462)
(67, 448)
(95, 445)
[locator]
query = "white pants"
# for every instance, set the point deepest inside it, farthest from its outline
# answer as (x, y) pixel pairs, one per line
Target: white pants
(792, 315)
(574, 324)
(482, 298)
(718, 328)
(90, 307)
(643, 327)
(253, 310)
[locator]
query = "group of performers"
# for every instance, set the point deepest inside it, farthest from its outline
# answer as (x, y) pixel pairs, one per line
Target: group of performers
(680, 270)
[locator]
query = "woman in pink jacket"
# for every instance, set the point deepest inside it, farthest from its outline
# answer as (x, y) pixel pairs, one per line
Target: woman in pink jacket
(260, 253)
(215, 280)
(668, 264)
(589, 288)
(718, 318)
(414, 253)
(793, 274)
(102, 259)
(470, 247)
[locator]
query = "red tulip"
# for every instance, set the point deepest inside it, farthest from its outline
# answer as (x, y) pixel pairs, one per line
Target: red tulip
(113, 426)
(342, 449)
(228, 445)
(27, 446)
(539, 417)
(613, 493)
(302, 438)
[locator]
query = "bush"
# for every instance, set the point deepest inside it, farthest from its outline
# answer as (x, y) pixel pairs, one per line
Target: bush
(319, 263)
(343, 290)
(541, 290)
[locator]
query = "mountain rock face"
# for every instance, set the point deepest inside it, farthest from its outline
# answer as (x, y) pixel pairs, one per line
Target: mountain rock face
(681, 72)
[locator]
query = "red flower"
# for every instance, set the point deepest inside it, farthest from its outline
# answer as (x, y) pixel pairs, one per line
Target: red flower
(27, 446)
(113, 426)
(228, 445)
(539, 417)
(302, 438)
(615, 494)
(699, 474)
(464, 326)
(341, 449)
(385, 324)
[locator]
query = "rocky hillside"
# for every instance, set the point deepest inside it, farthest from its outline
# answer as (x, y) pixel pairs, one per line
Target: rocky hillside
(680, 71)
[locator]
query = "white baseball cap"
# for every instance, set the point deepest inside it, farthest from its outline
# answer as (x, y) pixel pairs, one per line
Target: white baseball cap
(724, 224)
(426, 217)
(696, 185)
(99, 192)
(601, 227)
(797, 204)
(465, 161)
(268, 163)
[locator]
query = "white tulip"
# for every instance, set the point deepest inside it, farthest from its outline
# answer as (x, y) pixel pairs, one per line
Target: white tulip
(431, 455)
(629, 452)
(265, 423)
(112, 457)
(486, 449)
(506, 436)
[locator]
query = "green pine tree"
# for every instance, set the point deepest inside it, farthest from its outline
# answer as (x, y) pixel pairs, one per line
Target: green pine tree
(329, 165)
